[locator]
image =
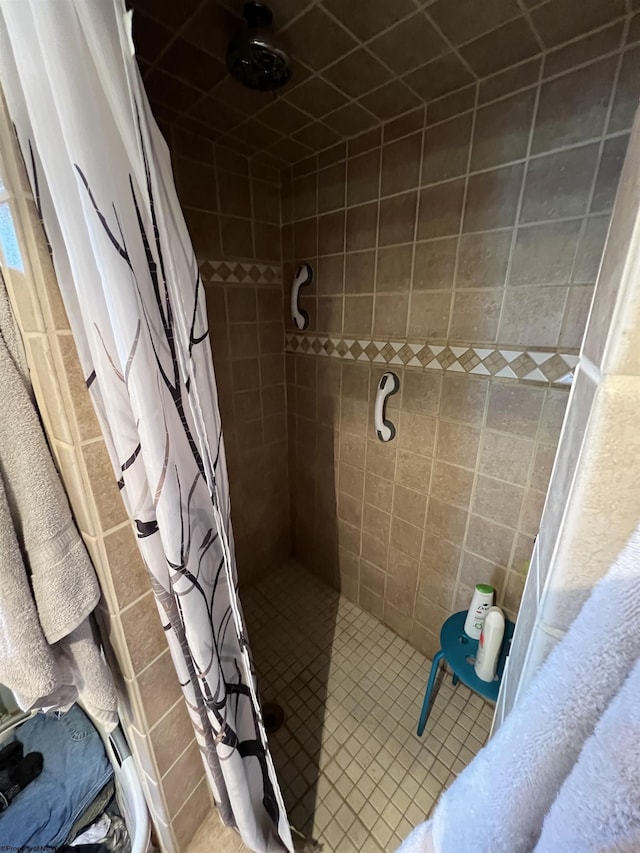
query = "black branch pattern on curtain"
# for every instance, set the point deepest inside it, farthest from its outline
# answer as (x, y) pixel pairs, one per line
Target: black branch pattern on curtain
(162, 338)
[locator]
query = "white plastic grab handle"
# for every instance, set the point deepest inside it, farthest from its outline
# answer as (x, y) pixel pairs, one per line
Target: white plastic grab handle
(389, 384)
(303, 277)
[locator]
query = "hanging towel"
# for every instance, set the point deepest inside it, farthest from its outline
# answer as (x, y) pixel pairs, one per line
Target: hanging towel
(48, 656)
(563, 771)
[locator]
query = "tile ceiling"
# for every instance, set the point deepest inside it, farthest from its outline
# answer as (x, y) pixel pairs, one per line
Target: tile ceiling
(356, 63)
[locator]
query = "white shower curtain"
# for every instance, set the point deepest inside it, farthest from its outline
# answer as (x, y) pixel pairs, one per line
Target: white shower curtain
(101, 174)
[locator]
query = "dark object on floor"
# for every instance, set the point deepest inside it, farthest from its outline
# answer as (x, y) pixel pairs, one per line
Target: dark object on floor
(10, 753)
(255, 56)
(273, 716)
(15, 777)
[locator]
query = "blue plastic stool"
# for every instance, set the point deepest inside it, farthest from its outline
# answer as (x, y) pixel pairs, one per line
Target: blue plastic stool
(457, 648)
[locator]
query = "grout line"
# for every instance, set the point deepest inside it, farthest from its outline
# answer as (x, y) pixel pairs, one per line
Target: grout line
(602, 142)
(482, 432)
(423, 142)
(526, 14)
(463, 211)
(518, 212)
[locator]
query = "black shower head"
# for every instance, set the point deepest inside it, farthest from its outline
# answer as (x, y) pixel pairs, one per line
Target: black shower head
(255, 56)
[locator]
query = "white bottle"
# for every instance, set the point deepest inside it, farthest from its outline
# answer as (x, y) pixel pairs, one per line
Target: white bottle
(490, 644)
(480, 603)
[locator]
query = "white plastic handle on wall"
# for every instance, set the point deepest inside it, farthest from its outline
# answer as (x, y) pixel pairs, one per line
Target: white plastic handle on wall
(389, 384)
(303, 277)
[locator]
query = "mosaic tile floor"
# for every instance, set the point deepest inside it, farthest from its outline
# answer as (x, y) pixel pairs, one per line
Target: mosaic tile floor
(353, 771)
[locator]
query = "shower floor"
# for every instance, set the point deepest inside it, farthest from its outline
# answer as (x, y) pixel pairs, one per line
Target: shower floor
(353, 772)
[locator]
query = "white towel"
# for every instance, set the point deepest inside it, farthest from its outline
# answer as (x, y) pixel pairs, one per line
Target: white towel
(543, 762)
(48, 657)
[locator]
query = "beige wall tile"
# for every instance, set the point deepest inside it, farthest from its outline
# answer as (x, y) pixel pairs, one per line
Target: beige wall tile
(497, 501)
(515, 408)
(429, 614)
(401, 164)
(128, 571)
(489, 540)
(558, 185)
(390, 315)
(377, 491)
(159, 688)
(425, 640)
(402, 582)
(434, 264)
(446, 521)
(406, 537)
(363, 176)
(377, 523)
(574, 320)
(438, 554)
(374, 550)
(502, 131)
(190, 817)
(492, 199)
(371, 603)
(397, 219)
(409, 505)
(417, 433)
(360, 272)
(475, 569)
(457, 444)
(331, 187)
(452, 484)
(331, 231)
(440, 210)
(330, 275)
(358, 315)
(463, 399)
(171, 736)
(106, 494)
(393, 272)
(446, 150)
(143, 630)
(54, 410)
(573, 107)
(438, 587)
(506, 457)
(532, 316)
(483, 259)
(475, 315)
(413, 471)
(429, 315)
(181, 780)
(362, 223)
(372, 578)
(589, 254)
(544, 254)
(421, 392)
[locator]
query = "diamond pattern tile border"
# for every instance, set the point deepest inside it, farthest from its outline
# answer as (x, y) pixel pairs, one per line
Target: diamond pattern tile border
(555, 368)
(239, 272)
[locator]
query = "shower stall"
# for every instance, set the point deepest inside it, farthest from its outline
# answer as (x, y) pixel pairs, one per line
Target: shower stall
(446, 172)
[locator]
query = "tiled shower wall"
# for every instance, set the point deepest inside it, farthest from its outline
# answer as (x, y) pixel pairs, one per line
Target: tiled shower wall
(232, 209)
(480, 223)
